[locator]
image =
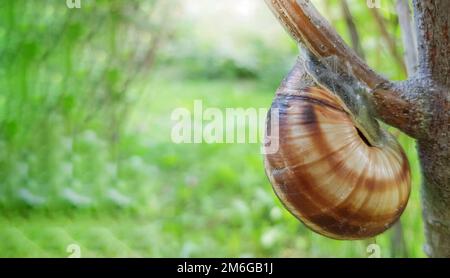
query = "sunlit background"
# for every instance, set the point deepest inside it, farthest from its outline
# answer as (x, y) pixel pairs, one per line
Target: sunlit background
(86, 157)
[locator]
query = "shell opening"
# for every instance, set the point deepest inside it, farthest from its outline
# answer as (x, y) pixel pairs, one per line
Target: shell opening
(363, 137)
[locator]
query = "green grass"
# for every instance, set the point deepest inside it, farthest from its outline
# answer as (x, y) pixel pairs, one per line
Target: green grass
(188, 200)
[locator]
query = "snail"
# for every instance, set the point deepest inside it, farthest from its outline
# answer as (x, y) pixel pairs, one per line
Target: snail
(335, 169)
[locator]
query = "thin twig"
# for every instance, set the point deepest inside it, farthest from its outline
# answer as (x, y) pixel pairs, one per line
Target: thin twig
(398, 244)
(388, 39)
(354, 36)
(409, 41)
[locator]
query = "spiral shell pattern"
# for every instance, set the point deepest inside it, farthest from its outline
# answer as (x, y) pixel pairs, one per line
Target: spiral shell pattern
(328, 175)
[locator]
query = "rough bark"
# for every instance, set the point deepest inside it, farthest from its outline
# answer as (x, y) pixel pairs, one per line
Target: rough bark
(433, 80)
(419, 106)
(432, 26)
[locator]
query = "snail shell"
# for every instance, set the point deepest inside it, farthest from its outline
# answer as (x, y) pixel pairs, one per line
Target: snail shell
(326, 172)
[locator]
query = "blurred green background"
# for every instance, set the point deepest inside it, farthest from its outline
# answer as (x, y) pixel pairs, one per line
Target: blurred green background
(86, 157)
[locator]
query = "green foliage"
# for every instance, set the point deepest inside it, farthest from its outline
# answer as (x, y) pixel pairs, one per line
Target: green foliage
(85, 149)
(65, 77)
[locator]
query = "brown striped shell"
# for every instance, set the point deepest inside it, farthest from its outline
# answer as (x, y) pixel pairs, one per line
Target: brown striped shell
(328, 175)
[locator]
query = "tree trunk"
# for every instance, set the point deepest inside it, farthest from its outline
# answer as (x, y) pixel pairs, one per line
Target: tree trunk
(432, 26)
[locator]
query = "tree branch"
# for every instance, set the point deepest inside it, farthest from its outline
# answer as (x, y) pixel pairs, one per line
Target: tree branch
(310, 29)
(396, 101)
(409, 41)
(433, 36)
